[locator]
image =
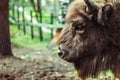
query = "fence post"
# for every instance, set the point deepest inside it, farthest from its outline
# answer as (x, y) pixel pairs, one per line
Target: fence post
(40, 33)
(40, 16)
(32, 33)
(23, 15)
(40, 28)
(18, 17)
(51, 21)
(13, 11)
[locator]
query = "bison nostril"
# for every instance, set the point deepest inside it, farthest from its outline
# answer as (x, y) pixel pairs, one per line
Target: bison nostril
(63, 53)
(60, 53)
(59, 48)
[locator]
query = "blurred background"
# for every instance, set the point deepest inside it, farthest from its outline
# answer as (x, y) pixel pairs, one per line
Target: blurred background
(36, 23)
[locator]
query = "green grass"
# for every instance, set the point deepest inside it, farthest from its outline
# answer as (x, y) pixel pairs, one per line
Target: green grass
(108, 73)
(18, 38)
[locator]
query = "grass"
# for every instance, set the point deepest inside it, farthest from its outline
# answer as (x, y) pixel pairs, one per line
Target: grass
(18, 38)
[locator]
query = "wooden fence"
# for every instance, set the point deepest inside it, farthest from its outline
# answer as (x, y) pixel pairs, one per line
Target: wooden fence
(19, 18)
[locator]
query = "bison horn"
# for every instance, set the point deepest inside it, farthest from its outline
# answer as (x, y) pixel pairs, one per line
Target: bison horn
(91, 7)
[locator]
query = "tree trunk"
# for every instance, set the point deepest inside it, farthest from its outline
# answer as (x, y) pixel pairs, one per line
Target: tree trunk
(33, 4)
(5, 44)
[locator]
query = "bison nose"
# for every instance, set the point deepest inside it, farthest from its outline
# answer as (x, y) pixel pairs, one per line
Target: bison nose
(63, 53)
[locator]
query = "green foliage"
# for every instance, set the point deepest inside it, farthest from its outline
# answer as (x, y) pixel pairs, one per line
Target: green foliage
(20, 2)
(46, 17)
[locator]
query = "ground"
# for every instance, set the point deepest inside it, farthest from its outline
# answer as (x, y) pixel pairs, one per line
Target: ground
(29, 64)
(35, 65)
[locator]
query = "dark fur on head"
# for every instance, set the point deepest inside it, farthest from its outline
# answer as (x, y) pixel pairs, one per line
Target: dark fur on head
(91, 41)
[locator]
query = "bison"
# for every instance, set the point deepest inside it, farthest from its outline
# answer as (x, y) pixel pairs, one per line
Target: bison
(90, 38)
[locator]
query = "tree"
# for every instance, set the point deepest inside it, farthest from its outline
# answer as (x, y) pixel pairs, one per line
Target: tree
(36, 5)
(5, 44)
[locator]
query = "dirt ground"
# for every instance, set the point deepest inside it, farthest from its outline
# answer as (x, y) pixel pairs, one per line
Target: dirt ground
(35, 65)
(30, 64)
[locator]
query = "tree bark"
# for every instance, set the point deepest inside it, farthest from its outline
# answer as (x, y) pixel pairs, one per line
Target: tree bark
(33, 4)
(5, 44)
(36, 5)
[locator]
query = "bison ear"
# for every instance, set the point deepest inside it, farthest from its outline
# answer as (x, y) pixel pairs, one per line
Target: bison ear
(104, 13)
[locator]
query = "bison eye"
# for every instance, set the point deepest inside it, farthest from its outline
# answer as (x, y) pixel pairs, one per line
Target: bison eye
(79, 28)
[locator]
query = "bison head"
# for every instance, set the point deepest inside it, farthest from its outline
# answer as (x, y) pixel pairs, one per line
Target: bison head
(83, 38)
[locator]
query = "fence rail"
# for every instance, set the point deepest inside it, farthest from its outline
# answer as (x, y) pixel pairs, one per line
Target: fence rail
(49, 26)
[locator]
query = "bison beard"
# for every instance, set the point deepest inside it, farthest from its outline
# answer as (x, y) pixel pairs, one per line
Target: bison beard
(90, 38)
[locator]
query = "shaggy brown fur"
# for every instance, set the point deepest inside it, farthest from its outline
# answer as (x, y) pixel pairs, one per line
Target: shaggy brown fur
(90, 46)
